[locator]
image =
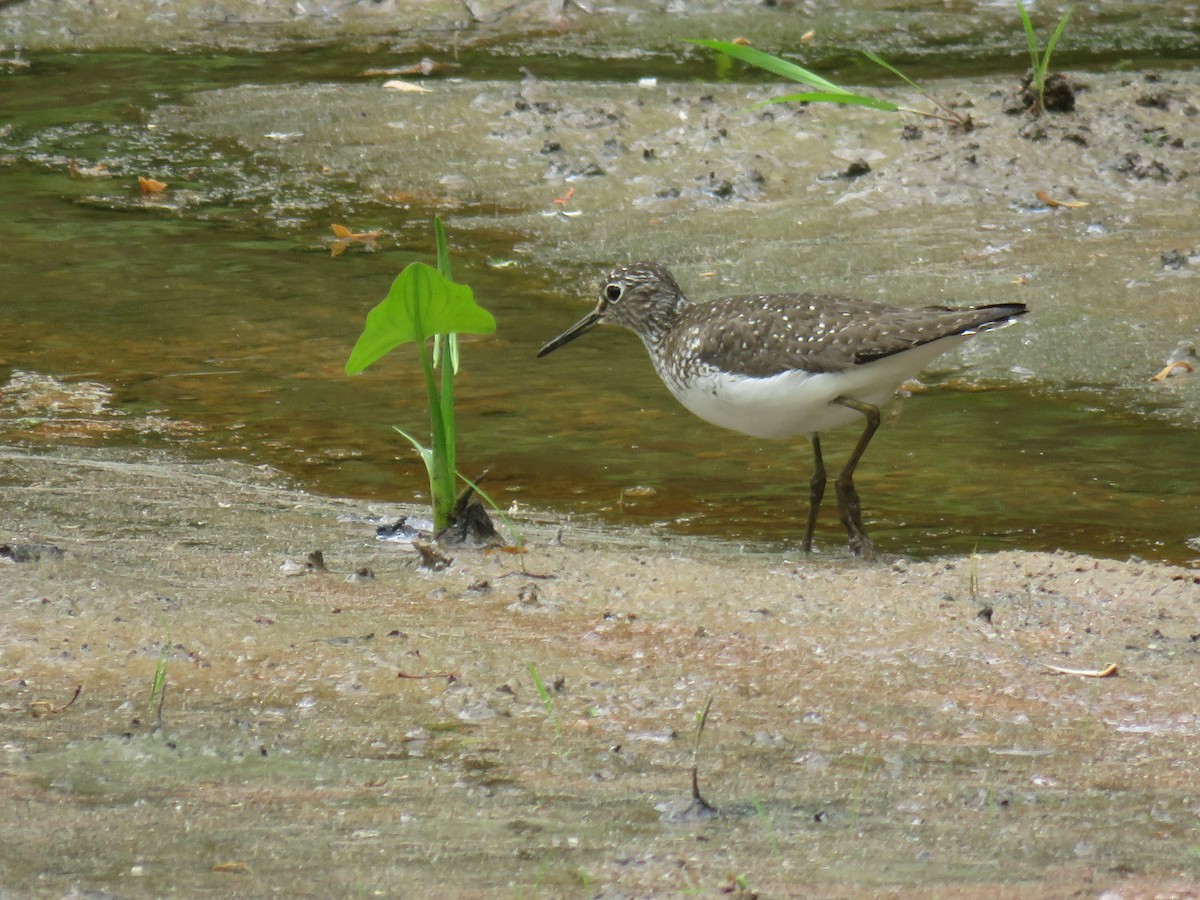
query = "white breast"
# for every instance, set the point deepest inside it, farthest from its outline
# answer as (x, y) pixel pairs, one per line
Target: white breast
(798, 402)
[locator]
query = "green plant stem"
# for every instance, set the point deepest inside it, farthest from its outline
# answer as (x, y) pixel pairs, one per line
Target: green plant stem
(441, 477)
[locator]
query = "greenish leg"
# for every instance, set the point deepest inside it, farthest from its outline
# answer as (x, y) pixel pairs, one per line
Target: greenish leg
(848, 505)
(816, 492)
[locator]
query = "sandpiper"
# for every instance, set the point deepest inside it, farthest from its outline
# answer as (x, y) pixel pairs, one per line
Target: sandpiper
(781, 365)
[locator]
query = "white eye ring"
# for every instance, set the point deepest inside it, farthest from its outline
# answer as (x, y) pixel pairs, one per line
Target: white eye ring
(612, 292)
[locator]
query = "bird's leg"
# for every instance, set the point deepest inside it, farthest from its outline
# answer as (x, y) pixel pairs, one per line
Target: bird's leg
(816, 491)
(848, 505)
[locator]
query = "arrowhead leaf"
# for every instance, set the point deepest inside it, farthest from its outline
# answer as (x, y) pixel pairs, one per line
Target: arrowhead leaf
(421, 303)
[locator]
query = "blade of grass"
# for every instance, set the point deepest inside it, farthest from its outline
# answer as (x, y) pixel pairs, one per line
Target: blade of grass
(772, 64)
(1053, 42)
(1030, 35)
(884, 64)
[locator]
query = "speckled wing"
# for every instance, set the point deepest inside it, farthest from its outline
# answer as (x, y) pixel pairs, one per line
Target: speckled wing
(760, 336)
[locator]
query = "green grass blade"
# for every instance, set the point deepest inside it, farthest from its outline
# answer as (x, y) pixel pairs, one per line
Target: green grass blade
(443, 249)
(772, 64)
(1053, 42)
(1030, 35)
(823, 97)
(882, 63)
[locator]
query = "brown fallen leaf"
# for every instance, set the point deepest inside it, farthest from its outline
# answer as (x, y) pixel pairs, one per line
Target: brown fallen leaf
(39, 708)
(234, 867)
(1065, 204)
(1107, 672)
(1173, 368)
(343, 237)
(150, 186)
(342, 233)
(807, 36)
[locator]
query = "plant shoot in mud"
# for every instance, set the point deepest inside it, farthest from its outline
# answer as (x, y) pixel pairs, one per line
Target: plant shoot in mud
(1041, 60)
(425, 305)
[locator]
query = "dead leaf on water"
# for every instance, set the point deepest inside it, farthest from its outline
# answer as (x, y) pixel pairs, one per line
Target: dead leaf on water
(150, 186)
(343, 237)
(342, 233)
(406, 87)
(1065, 204)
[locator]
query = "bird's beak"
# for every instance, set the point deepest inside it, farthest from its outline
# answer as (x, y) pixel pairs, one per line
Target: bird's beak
(587, 323)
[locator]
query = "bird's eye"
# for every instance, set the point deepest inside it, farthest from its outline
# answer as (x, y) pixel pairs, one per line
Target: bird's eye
(612, 293)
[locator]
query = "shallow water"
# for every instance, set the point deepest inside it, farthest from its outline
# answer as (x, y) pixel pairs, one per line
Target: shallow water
(219, 320)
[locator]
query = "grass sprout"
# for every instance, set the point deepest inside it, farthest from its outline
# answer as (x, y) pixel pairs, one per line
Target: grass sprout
(1039, 58)
(548, 703)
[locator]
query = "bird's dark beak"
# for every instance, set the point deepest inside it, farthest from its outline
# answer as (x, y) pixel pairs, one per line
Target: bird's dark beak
(587, 323)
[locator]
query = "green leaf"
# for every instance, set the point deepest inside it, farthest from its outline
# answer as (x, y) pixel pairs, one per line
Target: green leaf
(421, 303)
(823, 97)
(772, 64)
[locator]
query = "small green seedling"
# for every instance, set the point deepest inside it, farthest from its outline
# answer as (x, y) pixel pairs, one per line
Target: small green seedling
(548, 703)
(425, 304)
(825, 91)
(1040, 59)
(158, 688)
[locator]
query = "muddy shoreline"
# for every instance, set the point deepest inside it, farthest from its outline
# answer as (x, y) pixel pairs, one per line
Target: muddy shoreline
(891, 726)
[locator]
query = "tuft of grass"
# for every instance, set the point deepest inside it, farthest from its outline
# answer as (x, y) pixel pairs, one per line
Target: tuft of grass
(158, 688)
(767, 827)
(825, 91)
(1039, 58)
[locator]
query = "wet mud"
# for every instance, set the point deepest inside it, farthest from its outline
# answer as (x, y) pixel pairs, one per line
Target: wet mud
(527, 722)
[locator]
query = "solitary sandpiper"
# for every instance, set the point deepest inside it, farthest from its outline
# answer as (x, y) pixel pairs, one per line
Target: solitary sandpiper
(779, 365)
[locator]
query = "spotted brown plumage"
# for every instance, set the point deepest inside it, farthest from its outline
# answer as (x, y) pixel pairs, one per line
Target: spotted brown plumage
(776, 365)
